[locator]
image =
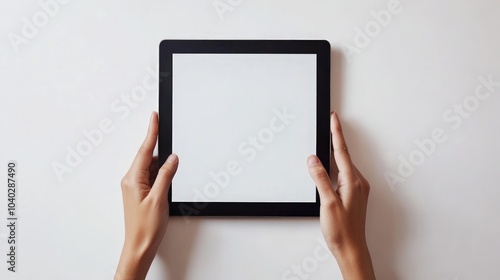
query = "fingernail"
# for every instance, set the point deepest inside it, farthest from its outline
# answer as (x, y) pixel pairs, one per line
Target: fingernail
(172, 158)
(312, 160)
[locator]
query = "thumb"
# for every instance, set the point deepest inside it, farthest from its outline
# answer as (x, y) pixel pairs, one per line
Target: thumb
(164, 178)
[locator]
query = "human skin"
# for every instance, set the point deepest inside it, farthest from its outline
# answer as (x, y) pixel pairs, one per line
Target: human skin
(145, 204)
(342, 213)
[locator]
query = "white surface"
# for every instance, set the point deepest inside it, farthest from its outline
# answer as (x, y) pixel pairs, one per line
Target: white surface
(242, 125)
(442, 222)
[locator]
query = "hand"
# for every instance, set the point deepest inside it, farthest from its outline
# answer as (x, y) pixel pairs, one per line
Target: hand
(343, 211)
(145, 202)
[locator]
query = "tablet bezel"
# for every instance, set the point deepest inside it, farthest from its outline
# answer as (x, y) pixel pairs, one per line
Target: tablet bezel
(319, 47)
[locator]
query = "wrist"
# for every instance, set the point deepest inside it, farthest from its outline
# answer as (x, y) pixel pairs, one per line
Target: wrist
(134, 262)
(349, 250)
(355, 262)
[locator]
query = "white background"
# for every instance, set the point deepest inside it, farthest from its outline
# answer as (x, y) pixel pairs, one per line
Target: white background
(254, 111)
(442, 222)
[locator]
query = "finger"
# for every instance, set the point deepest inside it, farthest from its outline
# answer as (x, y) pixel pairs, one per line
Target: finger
(340, 151)
(145, 154)
(164, 178)
(320, 177)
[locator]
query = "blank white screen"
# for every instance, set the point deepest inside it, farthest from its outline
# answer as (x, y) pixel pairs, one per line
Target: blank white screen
(243, 126)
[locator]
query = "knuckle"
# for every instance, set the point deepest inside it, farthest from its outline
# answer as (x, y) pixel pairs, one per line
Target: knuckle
(126, 182)
(359, 183)
(356, 185)
(367, 186)
(328, 203)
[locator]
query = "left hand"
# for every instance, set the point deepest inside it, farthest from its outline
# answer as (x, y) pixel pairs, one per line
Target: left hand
(145, 202)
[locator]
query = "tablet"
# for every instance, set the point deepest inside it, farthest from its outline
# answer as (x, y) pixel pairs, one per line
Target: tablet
(243, 116)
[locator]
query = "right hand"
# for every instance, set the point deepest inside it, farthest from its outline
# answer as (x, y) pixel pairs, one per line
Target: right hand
(343, 211)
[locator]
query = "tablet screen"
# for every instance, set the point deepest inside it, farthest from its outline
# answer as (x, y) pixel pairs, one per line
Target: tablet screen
(243, 126)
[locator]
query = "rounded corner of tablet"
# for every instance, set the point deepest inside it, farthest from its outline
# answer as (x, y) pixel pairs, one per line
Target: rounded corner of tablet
(325, 44)
(162, 43)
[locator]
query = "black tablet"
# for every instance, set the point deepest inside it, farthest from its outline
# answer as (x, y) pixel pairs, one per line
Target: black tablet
(243, 116)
